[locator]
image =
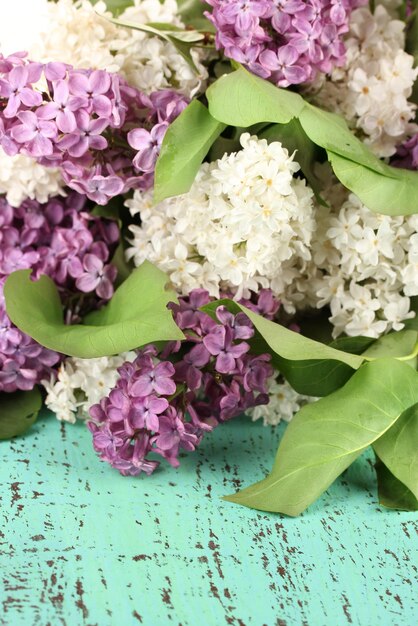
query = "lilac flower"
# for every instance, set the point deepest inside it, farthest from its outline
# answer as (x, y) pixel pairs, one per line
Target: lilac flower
(62, 108)
(216, 378)
(97, 277)
(35, 133)
(147, 144)
(220, 344)
(17, 91)
(104, 135)
(158, 379)
(86, 136)
(285, 41)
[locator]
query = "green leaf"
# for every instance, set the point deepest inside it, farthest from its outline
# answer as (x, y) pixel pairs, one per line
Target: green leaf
(18, 411)
(182, 40)
(325, 437)
(185, 144)
(394, 191)
(398, 449)
(135, 316)
(396, 344)
(294, 139)
(393, 494)
(330, 131)
(243, 99)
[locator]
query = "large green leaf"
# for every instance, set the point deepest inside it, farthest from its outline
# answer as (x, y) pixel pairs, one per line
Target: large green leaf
(18, 411)
(243, 99)
(185, 144)
(135, 316)
(394, 191)
(325, 437)
(393, 494)
(398, 449)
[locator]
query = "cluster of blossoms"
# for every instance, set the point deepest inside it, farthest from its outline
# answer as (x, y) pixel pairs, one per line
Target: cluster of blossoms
(364, 266)
(84, 122)
(245, 224)
(60, 240)
(80, 383)
(165, 401)
(372, 89)
(288, 42)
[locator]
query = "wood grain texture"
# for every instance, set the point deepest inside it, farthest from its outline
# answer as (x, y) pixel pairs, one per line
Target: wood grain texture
(81, 545)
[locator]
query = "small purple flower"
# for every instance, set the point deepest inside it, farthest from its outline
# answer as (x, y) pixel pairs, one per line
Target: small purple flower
(62, 108)
(148, 146)
(97, 277)
(220, 344)
(17, 91)
(158, 379)
(92, 88)
(35, 133)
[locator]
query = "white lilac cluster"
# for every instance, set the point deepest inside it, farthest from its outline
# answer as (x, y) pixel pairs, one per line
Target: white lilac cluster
(284, 403)
(371, 91)
(21, 177)
(83, 35)
(80, 383)
(245, 224)
(364, 266)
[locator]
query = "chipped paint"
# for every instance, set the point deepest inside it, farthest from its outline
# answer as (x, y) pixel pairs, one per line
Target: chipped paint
(81, 545)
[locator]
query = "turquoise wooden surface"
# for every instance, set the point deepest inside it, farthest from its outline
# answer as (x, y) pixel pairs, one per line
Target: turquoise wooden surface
(82, 545)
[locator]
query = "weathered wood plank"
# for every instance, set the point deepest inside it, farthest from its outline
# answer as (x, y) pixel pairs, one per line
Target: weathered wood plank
(82, 545)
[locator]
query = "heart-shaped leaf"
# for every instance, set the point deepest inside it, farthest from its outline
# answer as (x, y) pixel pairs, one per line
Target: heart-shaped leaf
(393, 191)
(393, 494)
(185, 145)
(243, 99)
(18, 411)
(398, 449)
(325, 437)
(136, 315)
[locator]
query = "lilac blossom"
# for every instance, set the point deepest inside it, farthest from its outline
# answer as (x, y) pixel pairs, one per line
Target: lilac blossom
(104, 135)
(285, 41)
(167, 399)
(62, 241)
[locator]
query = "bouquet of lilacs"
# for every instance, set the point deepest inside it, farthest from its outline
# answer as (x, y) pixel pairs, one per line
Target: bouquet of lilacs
(210, 209)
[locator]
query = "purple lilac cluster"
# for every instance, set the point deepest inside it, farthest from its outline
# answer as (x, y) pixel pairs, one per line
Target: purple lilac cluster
(407, 154)
(166, 400)
(104, 135)
(285, 41)
(62, 241)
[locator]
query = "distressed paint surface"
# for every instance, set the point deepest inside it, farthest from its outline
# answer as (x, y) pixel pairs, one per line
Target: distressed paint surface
(82, 545)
